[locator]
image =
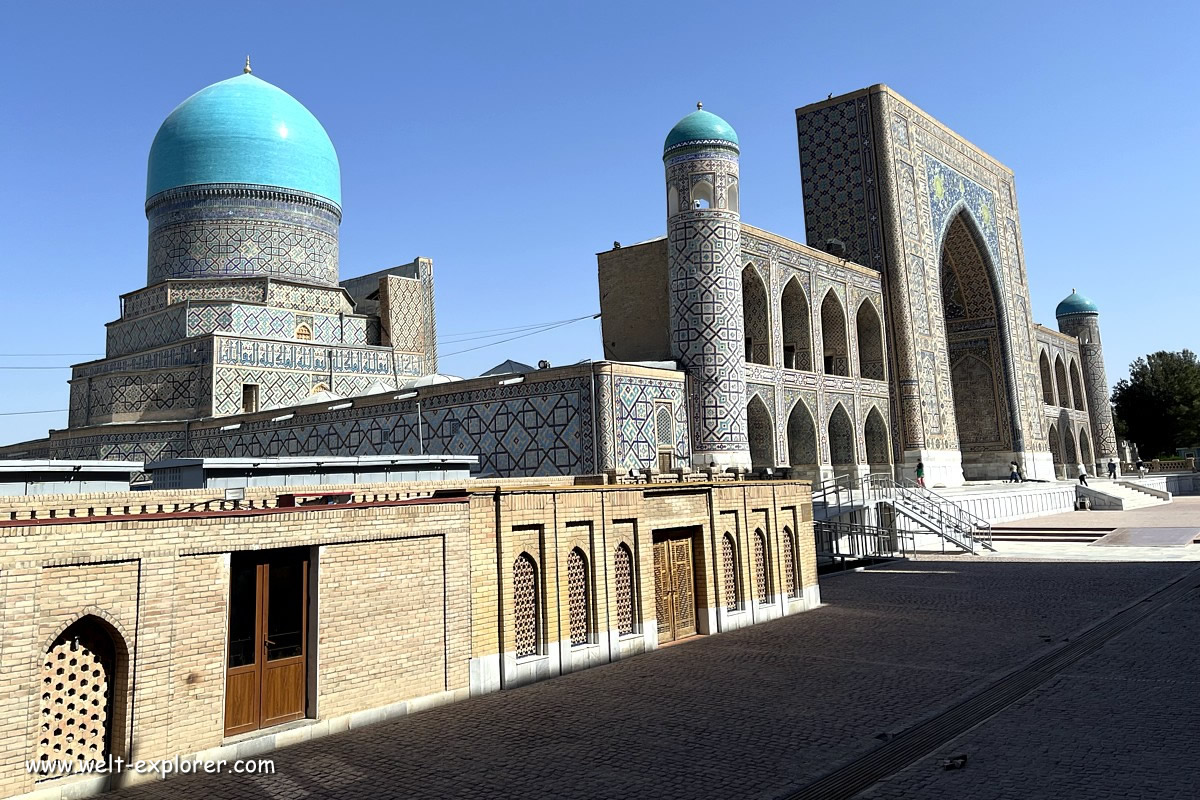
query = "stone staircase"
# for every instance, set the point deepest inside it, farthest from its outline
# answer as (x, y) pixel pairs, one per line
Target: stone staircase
(1121, 495)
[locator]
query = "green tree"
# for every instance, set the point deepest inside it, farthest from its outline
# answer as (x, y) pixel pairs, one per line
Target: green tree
(1158, 405)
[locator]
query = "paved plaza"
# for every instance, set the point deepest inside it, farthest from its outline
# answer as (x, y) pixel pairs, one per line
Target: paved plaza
(764, 711)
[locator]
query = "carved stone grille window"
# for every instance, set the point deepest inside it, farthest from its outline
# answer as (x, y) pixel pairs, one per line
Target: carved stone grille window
(525, 606)
(762, 574)
(77, 673)
(790, 584)
(577, 597)
(729, 581)
(623, 573)
(304, 333)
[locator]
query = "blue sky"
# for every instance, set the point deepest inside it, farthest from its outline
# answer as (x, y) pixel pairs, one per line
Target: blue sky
(510, 142)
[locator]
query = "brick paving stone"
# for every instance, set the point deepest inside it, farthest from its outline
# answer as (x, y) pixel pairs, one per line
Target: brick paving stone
(753, 713)
(1116, 724)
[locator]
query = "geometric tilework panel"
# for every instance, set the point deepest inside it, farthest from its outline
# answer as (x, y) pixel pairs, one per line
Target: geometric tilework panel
(540, 429)
(144, 333)
(525, 430)
(146, 392)
(248, 290)
(632, 414)
(707, 334)
(836, 166)
(166, 327)
(242, 237)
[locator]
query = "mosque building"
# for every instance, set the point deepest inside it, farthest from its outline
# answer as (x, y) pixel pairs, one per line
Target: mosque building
(900, 333)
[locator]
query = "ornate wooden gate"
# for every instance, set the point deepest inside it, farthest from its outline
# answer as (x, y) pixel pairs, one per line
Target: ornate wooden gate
(674, 585)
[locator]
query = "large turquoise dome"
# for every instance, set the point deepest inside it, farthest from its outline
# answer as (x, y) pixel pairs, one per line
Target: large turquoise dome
(1075, 303)
(244, 130)
(698, 127)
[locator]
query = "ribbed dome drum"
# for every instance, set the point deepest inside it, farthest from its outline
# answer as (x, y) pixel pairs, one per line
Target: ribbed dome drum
(243, 181)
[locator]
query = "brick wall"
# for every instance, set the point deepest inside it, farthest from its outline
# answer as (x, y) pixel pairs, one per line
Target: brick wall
(411, 601)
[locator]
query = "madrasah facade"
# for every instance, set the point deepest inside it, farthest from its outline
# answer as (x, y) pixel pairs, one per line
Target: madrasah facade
(900, 333)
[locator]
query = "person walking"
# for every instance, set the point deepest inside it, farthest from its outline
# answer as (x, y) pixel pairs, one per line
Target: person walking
(1112, 468)
(1141, 468)
(1014, 472)
(1082, 474)
(921, 474)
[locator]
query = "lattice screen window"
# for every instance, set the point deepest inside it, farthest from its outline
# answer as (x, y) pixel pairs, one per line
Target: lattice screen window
(525, 606)
(762, 572)
(664, 427)
(623, 573)
(578, 601)
(664, 434)
(791, 585)
(729, 581)
(77, 673)
(304, 333)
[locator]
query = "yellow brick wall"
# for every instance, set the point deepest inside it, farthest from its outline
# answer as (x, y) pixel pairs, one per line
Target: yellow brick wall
(411, 592)
(382, 628)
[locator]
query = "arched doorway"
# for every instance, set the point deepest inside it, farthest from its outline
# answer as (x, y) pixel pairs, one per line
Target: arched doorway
(833, 336)
(802, 442)
(762, 434)
(841, 441)
(870, 342)
(977, 343)
(83, 679)
(797, 336)
(755, 317)
(875, 437)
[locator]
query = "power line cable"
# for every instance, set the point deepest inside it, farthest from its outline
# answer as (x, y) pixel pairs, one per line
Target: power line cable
(519, 336)
(522, 329)
(505, 330)
(19, 413)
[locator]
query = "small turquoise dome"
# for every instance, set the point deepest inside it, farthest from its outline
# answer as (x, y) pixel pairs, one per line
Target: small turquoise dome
(1075, 303)
(700, 126)
(244, 130)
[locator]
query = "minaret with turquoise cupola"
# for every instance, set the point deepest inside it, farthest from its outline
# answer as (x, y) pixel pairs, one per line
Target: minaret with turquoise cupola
(705, 290)
(1078, 316)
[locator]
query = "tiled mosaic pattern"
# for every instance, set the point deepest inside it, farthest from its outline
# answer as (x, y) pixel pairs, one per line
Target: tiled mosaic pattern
(837, 167)
(705, 296)
(903, 180)
(628, 428)
(219, 232)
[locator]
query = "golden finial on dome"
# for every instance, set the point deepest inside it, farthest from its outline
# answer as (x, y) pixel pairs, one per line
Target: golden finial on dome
(699, 106)
(246, 69)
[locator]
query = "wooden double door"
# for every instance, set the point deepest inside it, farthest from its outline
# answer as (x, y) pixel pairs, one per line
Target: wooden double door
(674, 584)
(266, 678)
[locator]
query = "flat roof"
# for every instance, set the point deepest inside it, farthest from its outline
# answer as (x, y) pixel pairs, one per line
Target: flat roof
(308, 462)
(9, 465)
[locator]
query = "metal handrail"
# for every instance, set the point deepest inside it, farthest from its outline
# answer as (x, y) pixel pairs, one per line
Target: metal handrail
(945, 512)
(854, 541)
